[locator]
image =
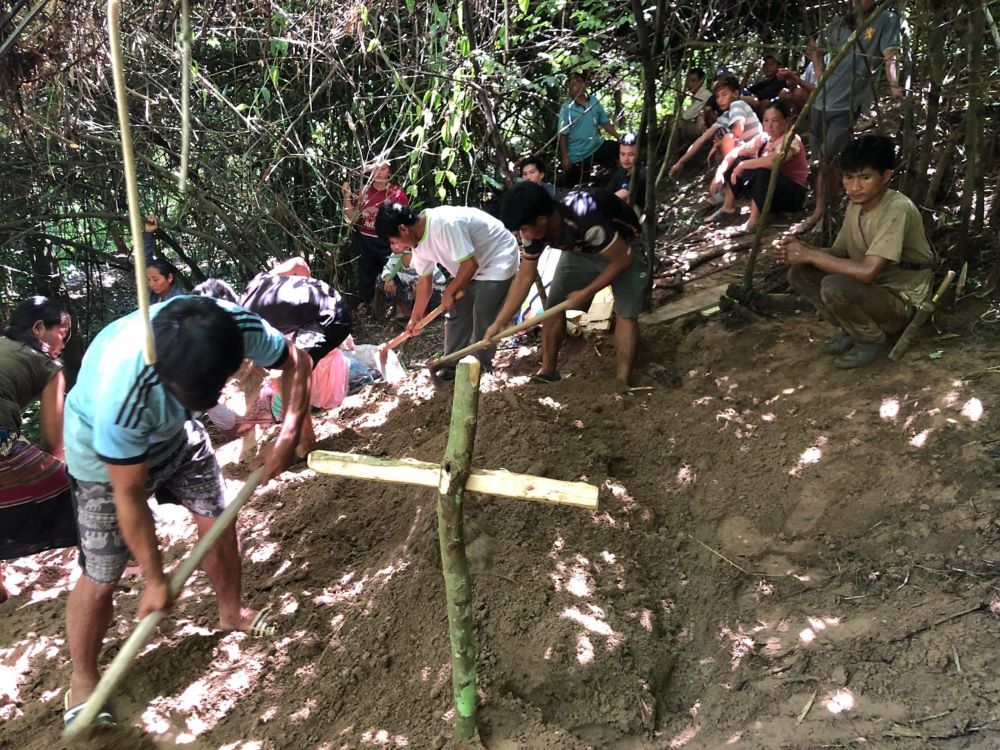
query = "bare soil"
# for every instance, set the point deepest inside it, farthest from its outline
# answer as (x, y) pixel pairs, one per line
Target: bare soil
(777, 548)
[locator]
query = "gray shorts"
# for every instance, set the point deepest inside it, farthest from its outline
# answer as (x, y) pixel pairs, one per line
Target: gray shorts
(576, 270)
(190, 477)
(839, 131)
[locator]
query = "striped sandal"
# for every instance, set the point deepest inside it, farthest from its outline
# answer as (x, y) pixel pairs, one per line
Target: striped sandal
(261, 625)
(104, 716)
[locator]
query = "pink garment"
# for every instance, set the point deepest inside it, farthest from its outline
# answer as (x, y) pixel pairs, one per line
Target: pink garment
(796, 168)
(329, 382)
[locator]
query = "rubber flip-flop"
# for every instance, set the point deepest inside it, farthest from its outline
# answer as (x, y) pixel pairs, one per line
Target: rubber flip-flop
(545, 377)
(104, 716)
(261, 626)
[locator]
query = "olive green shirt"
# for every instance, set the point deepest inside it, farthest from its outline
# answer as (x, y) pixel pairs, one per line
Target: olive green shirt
(24, 373)
(892, 230)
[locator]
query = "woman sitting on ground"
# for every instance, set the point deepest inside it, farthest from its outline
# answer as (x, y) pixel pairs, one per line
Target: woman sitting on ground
(36, 512)
(746, 171)
(163, 281)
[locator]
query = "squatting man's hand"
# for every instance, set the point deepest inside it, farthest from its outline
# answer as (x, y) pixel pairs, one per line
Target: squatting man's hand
(791, 250)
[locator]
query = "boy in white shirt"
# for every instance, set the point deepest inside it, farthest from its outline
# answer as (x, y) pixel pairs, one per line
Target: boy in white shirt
(478, 252)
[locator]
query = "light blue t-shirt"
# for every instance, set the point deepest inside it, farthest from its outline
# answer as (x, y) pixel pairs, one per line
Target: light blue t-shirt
(581, 126)
(118, 412)
(849, 86)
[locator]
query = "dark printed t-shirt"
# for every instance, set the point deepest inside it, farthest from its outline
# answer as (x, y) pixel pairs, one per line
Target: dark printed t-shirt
(592, 220)
(620, 181)
(290, 302)
(767, 89)
(24, 373)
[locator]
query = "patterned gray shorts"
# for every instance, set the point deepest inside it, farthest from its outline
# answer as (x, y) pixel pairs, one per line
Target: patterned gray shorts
(190, 477)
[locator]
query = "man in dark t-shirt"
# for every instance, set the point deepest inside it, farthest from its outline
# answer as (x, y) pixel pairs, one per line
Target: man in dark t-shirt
(769, 86)
(621, 180)
(308, 310)
(603, 245)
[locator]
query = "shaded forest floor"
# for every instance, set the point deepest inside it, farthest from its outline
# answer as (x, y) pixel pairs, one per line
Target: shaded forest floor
(777, 548)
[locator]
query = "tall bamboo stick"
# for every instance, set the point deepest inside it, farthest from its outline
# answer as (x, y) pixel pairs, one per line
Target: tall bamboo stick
(128, 162)
(798, 125)
(455, 471)
(185, 93)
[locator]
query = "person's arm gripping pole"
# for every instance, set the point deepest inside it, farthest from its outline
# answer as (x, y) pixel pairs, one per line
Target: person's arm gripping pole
(131, 182)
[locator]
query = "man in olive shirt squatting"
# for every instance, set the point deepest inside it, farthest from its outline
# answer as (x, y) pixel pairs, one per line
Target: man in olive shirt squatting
(880, 266)
(603, 242)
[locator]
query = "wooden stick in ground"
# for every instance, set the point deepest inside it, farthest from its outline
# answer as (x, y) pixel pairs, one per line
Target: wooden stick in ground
(131, 182)
(483, 481)
(479, 345)
(455, 470)
(144, 631)
(383, 350)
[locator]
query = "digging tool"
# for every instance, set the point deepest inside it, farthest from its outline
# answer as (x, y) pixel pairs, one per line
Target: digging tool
(530, 323)
(923, 313)
(144, 631)
(383, 350)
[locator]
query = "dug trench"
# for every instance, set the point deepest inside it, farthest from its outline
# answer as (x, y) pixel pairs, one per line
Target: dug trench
(776, 547)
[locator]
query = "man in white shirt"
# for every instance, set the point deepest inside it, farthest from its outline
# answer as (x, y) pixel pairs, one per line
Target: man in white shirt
(478, 252)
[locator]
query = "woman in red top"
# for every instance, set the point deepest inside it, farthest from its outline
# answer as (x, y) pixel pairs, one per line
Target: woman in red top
(746, 172)
(374, 251)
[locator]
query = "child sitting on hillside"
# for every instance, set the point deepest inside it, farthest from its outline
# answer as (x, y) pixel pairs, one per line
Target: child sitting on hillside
(736, 126)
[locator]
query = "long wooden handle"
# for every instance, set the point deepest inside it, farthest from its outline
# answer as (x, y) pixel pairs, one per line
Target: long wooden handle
(424, 321)
(529, 323)
(923, 312)
(131, 182)
(144, 631)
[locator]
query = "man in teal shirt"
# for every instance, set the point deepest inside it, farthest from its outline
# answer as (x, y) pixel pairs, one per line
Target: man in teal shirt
(580, 143)
(130, 433)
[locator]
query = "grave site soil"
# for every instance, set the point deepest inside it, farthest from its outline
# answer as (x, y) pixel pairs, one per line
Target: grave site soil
(777, 548)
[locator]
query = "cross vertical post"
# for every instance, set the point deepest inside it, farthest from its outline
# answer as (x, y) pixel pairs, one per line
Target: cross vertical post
(455, 470)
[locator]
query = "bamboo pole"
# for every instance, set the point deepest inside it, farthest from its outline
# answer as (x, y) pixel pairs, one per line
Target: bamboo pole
(185, 93)
(455, 470)
(530, 323)
(131, 181)
(424, 474)
(789, 136)
(144, 631)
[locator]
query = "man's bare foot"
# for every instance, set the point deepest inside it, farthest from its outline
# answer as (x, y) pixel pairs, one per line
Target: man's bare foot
(256, 623)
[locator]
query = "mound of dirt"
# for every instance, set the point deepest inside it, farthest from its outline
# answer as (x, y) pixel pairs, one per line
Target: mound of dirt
(778, 550)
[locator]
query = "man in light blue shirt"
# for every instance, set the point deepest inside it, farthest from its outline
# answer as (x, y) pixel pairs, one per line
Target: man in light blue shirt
(581, 120)
(130, 433)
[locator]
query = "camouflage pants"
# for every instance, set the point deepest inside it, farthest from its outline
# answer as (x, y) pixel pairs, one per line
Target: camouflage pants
(865, 311)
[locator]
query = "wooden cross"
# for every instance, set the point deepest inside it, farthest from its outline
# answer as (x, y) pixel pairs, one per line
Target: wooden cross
(453, 476)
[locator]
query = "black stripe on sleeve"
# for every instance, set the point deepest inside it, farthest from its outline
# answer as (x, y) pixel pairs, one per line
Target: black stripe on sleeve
(131, 461)
(280, 362)
(135, 399)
